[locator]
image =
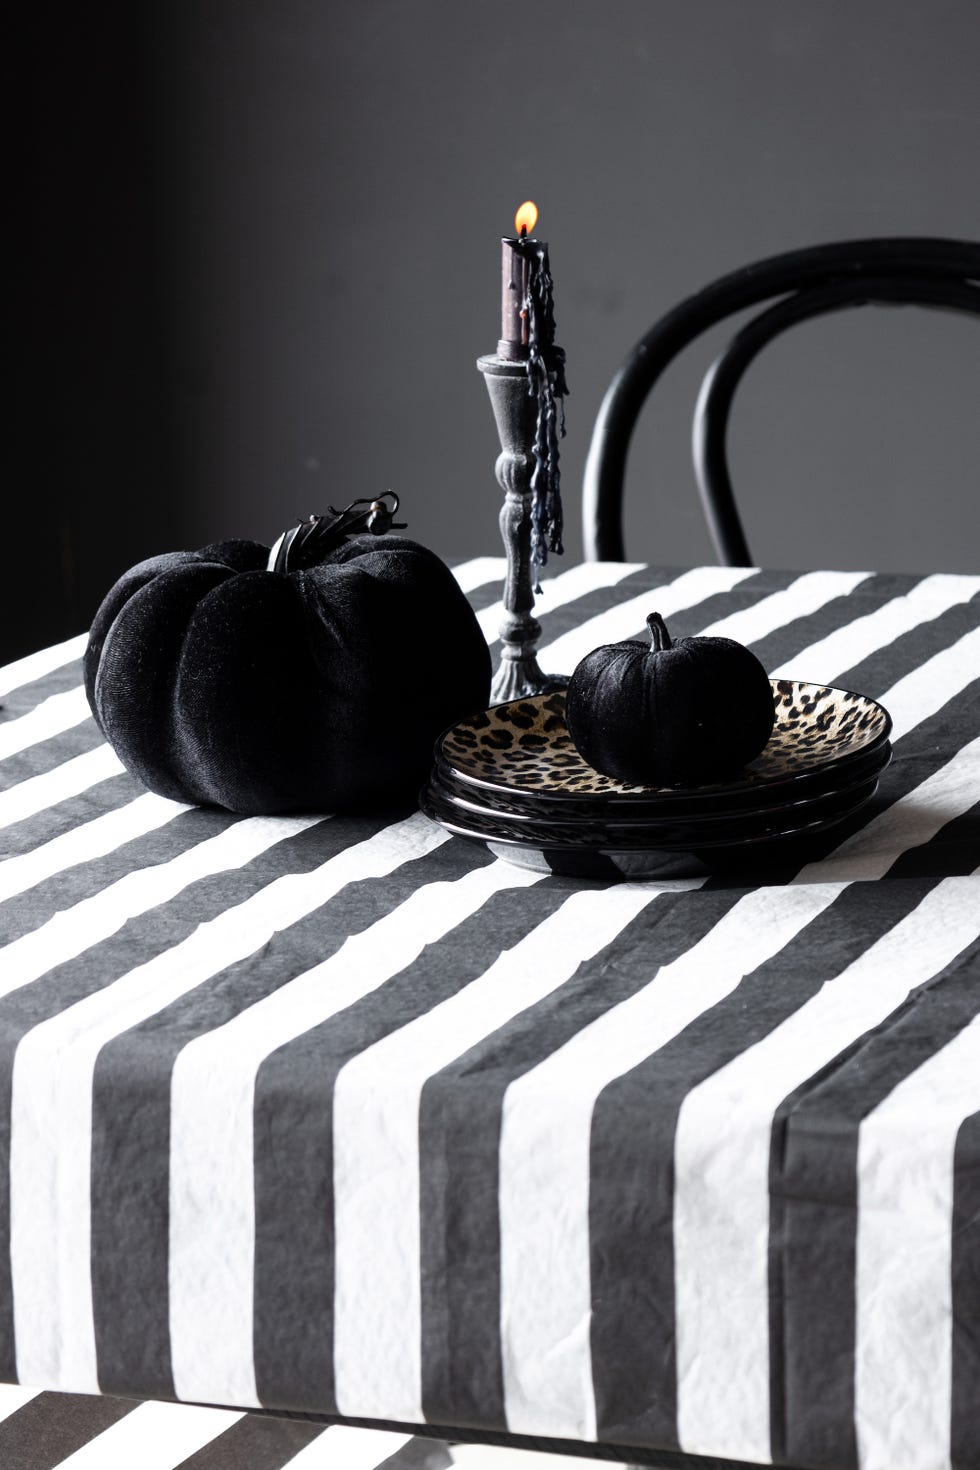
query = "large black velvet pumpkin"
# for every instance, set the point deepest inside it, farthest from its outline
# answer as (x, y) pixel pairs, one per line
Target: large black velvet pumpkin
(317, 689)
(669, 714)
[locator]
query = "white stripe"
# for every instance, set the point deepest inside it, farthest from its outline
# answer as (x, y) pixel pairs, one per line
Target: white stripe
(90, 840)
(153, 1436)
(908, 823)
(70, 932)
(848, 646)
(556, 591)
(212, 1168)
(480, 571)
(721, 1170)
(798, 600)
(55, 714)
(903, 1366)
(629, 618)
(13, 1397)
(36, 665)
(38, 793)
(544, 1158)
(51, 1104)
(342, 1448)
(377, 1308)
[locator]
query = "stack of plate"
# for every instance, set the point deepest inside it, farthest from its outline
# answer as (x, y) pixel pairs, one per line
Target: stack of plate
(511, 779)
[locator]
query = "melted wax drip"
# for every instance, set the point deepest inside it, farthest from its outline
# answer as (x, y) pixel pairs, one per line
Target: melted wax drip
(546, 383)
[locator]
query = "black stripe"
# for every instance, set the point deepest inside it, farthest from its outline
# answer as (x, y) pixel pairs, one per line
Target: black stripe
(934, 741)
(568, 615)
(814, 1209)
(420, 1454)
(27, 911)
(954, 851)
(687, 622)
(294, 1248)
(51, 821)
(632, 1175)
(54, 1425)
(459, 1131)
(883, 668)
(44, 755)
(485, 595)
(25, 697)
(253, 1443)
(131, 1106)
(794, 637)
(965, 1432)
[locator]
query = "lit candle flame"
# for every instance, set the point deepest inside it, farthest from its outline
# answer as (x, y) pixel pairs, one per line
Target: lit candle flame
(526, 217)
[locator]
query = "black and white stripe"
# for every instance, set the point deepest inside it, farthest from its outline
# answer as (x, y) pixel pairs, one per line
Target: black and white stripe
(342, 1116)
(60, 1431)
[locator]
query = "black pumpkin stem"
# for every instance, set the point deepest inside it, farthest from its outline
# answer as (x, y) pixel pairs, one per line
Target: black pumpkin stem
(309, 541)
(661, 639)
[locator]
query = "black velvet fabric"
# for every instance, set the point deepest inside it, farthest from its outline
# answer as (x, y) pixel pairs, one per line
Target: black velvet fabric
(218, 682)
(692, 713)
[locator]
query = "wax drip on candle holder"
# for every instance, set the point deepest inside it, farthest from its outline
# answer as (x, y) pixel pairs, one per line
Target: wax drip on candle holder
(546, 383)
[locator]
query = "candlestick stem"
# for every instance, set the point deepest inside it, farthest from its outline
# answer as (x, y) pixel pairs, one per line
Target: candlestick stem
(514, 409)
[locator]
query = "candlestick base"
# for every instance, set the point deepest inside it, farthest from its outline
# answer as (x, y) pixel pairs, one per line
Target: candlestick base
(521, 676)
(514, 409)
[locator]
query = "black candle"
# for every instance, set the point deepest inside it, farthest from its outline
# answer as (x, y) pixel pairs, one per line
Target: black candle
(514, 271)
(528, 334)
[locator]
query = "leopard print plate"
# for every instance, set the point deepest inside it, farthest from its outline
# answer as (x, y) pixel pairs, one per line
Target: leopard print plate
(524, 747)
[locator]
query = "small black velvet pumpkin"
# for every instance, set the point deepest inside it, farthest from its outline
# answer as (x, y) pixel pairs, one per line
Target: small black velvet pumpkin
(669, 714)
(316, 688)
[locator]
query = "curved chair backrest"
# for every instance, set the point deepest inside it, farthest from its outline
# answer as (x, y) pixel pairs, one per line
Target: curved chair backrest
(804, 283)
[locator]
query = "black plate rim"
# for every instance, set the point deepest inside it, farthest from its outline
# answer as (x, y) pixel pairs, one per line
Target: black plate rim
(701, 822)
(867, 790)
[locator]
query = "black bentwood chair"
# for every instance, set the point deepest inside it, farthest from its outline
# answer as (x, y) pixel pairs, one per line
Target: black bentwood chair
(805, 283)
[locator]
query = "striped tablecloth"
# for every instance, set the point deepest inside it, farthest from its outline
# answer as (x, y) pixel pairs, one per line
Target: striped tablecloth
(346, 1116)
(66, 1431)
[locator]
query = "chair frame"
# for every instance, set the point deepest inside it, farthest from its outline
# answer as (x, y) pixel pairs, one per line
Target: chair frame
(812, 282)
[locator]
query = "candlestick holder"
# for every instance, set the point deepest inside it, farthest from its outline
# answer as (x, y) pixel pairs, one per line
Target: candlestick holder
(514, 411)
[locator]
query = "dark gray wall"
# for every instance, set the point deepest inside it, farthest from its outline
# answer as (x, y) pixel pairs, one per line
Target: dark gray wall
(295, 209)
